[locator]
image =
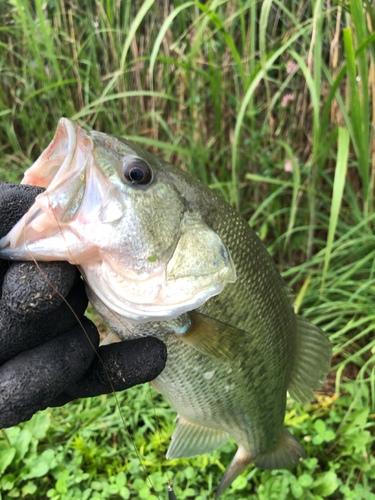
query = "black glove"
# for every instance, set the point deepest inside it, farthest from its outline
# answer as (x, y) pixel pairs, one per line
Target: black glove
(46, 358)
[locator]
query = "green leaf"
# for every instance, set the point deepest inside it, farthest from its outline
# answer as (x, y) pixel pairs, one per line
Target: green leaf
(11, 434)
(326, 484)
(276, 488)
(144, 492)
(36, 468)
(362, 438)
(81, 476)
(329, 435)
(29, 489)
(39, 424)
(6, 457)
(125, 493)
(22, 443)
(360, 418)
(297, 490)
(320, 426)
(189, 492)
(239, 483)
(318, 439)
(15, 493)
(189, 472)
(120, 479)
(112, 489)
(61, 486)
(86, 494)
(96, 485)
(7, 482)
(305, 480)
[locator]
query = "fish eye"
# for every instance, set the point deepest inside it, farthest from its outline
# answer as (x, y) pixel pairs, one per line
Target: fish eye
(137, 172)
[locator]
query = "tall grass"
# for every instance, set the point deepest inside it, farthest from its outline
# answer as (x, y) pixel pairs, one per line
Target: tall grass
(271, 103)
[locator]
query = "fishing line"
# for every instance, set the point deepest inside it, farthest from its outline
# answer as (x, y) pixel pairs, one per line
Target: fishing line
(170, 483)
(92, 345)
(123, 324)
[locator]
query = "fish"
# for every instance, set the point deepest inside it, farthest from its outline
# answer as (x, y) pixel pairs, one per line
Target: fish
(164, 255)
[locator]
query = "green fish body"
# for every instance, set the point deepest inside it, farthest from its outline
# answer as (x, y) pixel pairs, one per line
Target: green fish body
(165, 256)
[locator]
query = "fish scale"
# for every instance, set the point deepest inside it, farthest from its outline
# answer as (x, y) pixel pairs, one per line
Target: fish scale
(170, 258)
(199, 400)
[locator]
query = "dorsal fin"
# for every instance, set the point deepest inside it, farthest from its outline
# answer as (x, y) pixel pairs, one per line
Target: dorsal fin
(311, 363)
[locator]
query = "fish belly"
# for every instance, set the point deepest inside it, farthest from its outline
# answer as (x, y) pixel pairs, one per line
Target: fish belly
(244, 398)
(219, 396)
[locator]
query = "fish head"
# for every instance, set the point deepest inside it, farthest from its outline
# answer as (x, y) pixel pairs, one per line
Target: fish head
(133, 223)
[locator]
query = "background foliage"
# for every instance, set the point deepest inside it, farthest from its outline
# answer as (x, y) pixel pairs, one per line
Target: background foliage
(272, 104)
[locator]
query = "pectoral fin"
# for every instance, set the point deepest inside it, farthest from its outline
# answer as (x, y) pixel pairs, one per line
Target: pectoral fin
(190, 439)
(213, 338)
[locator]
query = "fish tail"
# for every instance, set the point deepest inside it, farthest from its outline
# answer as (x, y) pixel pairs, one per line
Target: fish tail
(239, 463)
(287, 454)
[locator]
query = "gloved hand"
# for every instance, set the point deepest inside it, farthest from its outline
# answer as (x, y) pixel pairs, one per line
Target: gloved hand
(46, 358)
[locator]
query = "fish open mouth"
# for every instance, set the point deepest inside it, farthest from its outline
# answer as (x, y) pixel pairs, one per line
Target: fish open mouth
(56, 159)
(60, 169)
(89, 216)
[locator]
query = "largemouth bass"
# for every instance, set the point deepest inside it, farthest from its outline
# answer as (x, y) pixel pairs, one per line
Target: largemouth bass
(164, 255)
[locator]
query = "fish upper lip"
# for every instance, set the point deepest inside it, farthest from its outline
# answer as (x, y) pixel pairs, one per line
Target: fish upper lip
(56, 158)
(52, 170)
(70, 128)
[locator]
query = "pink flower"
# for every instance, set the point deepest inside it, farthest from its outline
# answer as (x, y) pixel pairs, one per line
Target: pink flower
(288, 165)
(286, 100)
(290, 67)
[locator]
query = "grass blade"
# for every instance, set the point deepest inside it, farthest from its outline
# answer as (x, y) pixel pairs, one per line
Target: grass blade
(296, 187)
(359, 21)
(163, 30)
(245, 102)
(314, 90)
(359, 137)
(338, 188)
(229, 40)
(132, 31)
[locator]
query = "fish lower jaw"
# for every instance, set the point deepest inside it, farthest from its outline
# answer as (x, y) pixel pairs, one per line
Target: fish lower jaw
(152, 299)
(142, 313)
